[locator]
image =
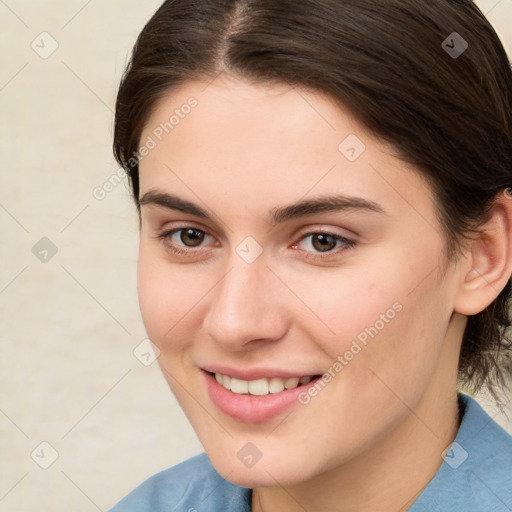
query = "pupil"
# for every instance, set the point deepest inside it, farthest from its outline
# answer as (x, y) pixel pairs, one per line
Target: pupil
(323, 242)
(191, 237)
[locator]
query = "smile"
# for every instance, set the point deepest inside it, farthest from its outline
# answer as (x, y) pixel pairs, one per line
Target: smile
(257, 400)
(260, 387)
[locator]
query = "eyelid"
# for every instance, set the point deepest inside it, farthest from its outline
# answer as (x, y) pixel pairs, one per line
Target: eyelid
(185, 224)
(312, 230)
(322, 228)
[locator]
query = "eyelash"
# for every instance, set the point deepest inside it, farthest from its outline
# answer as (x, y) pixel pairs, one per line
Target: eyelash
(348, 243)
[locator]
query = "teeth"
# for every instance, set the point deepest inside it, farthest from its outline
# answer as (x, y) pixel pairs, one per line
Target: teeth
(260, 387)
(276, 385)
(239, 386)
(291, 383)
(226, 381)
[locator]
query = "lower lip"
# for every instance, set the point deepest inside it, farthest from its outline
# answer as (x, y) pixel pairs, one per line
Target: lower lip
(251, 408)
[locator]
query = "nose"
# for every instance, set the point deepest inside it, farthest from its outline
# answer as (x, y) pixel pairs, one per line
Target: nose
(246, 308)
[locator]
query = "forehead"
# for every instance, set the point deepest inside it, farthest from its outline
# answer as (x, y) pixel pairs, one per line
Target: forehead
(266, 145)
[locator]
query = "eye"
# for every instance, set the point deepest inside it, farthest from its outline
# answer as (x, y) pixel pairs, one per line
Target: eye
(322, 242)
(184, 240)
(190, 237)
(317, 245)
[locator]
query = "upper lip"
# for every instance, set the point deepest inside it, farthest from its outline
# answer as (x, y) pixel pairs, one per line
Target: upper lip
(256, 373)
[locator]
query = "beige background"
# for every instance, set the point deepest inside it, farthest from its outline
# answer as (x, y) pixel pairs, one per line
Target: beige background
(68, 374)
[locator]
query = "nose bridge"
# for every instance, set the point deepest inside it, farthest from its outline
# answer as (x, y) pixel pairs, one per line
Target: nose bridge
(244, 305)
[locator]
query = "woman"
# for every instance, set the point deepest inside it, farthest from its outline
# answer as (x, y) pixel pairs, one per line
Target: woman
(325, 250)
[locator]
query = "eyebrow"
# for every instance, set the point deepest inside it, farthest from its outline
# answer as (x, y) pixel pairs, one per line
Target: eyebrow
(278, 215)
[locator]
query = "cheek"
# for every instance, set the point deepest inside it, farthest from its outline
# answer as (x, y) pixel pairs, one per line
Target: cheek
(349, 303)
(168, 297)
(390, 314)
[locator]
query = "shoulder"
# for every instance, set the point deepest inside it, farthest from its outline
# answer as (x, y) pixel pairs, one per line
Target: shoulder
(191, 486)
(476, 473)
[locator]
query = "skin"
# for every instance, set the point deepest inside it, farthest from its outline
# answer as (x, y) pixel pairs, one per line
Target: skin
(372, 438)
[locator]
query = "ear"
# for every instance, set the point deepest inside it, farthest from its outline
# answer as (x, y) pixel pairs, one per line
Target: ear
(488, 266)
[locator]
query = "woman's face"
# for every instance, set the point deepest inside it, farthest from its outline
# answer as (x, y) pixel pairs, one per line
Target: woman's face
(280, 241)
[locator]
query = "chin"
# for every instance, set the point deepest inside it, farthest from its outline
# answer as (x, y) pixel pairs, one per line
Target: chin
(278, 470)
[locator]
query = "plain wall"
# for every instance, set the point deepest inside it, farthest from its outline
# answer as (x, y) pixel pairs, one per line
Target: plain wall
(70, 321)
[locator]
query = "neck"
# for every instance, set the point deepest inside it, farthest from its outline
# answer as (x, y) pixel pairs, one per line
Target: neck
(394, 472)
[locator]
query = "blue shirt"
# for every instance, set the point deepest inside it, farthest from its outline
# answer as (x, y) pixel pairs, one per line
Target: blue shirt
(475, 476)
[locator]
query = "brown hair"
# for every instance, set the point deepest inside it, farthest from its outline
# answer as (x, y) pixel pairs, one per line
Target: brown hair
(400, 67)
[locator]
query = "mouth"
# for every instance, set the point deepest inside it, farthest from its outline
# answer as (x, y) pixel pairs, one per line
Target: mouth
(261, 387)
(257, 400)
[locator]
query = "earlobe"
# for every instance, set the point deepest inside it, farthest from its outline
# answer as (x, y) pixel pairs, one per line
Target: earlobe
(488, 266)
